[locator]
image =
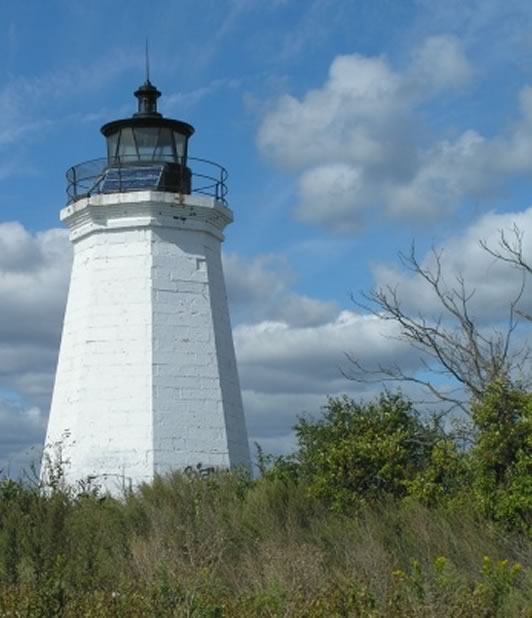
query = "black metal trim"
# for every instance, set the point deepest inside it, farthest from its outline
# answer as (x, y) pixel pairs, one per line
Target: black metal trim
(147, 121)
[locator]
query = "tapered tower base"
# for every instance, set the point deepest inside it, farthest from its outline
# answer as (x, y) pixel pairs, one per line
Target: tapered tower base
(146, 381)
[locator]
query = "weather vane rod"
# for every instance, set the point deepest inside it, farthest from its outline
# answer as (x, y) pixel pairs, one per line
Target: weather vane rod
(147, 53)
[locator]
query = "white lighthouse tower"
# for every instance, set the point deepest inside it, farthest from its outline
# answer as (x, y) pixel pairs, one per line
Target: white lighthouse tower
(146, 380)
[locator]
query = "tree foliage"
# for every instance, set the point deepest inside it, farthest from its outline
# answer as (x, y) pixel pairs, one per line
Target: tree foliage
(360, 452)
(501, 459)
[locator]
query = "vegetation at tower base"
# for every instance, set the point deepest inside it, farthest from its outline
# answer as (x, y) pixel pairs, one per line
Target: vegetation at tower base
(501, 459)
(231, 547)
(377, 513)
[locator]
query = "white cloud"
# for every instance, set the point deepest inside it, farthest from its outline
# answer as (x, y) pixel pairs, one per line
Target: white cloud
(338, 186)
(347, 119)
(287, 370)
(259, 288)
(34, 272)
(21, 432)
(494, 284)
(275, 357)
(357, 149)
(450, 171)
(439, 63)
(301, 310)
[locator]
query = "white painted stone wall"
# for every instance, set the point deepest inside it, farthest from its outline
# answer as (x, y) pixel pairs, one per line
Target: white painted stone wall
(146, 380)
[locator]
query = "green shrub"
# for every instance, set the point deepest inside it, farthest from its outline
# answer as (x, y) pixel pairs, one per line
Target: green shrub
(501, 459)
(445, 476)
(358, 453)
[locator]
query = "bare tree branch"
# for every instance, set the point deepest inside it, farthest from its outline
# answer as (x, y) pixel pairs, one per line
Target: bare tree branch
(510, 249)
(452, 344)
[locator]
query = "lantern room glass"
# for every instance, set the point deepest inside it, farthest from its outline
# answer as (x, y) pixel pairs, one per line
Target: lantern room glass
(140, 143)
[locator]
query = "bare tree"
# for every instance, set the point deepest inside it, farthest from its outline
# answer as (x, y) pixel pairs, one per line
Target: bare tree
(453, 348)
(510, 249)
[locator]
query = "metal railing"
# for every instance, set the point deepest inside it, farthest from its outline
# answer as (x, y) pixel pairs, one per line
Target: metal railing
(205, 177)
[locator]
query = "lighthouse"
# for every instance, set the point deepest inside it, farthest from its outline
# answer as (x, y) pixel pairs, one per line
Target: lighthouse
(146, 379)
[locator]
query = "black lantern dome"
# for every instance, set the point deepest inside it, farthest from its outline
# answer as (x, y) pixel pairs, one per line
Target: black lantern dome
(146, 152)
(147, 136)
(147, 139)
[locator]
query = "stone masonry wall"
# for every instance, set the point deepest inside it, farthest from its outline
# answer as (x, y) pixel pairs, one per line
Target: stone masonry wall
(147, 379)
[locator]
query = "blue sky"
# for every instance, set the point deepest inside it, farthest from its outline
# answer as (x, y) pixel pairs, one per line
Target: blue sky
(349, 129)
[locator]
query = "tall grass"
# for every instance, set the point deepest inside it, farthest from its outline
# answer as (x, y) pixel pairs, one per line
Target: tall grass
(231, 547)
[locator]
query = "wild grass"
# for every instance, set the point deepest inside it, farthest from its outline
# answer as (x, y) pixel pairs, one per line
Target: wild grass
(231, 547)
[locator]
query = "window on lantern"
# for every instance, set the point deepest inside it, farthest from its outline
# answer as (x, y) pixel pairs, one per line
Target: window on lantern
(165, 149)
(126, 147)
(180, 143)
(146, 138)
(112, 143)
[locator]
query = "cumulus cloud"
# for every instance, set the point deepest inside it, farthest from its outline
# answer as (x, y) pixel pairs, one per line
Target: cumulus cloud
(21, 435)
(277, 357)
(347, 118)
(492, 282)
(34, 271)
(259, 288)
(356, 146)
(338, 186)
(290, 370)
(439, 63)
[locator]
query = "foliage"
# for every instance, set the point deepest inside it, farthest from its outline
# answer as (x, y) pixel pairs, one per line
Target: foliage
(228, 546)
(363, 452)
(377, 513)
(446, 476)
(501, 459)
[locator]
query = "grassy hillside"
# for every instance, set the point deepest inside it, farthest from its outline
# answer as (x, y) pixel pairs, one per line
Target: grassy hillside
(230, 547)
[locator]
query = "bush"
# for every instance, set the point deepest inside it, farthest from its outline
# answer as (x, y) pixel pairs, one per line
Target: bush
(359, 453)
(446, 476)
(501, 459)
